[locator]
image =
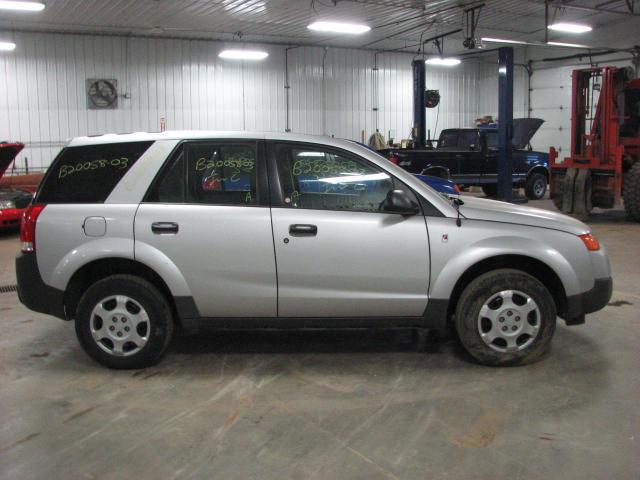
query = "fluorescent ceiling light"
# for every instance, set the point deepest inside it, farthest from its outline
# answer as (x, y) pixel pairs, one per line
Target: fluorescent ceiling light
(7, 46)
(24, 6)
(339, 27)
(569, 45)
(502, 40)
(348, 178)
(570, 27)
(310, 154)
(447, 62)
(243, 54)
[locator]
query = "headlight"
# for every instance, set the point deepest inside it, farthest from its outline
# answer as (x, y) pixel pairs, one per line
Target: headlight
(7, 204)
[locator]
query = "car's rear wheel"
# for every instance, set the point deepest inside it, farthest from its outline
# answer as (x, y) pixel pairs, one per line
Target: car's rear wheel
(535, 186)
(123, 322)
(505, 317)
(490, 190)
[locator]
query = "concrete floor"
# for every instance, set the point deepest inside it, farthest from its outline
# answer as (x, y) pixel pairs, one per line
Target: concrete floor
(326, 405)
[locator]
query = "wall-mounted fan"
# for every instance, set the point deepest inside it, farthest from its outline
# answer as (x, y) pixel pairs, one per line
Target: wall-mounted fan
(102, 94)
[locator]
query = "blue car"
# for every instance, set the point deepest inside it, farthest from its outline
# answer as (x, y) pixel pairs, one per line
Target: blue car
(440, 184)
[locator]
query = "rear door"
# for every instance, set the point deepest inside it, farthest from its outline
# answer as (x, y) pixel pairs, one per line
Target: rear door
(209, 216)
(338, 254)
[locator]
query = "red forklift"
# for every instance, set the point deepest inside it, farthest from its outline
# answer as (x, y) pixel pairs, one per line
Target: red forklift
(604, 166)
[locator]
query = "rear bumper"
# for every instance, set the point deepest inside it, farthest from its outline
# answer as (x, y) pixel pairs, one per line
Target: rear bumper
(588, 302)
(33, 292)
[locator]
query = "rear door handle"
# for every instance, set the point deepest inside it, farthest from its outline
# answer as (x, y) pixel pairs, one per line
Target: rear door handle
(301, 229)
(164, 227)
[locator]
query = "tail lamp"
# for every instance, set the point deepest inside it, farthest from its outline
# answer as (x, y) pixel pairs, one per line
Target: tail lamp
(28, 227)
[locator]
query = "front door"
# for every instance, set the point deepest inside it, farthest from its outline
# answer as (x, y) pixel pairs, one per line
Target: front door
(207, 218)
(469, 157)
(338, 254)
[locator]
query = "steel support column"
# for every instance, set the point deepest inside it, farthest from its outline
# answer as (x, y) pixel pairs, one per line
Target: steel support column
(505, 123)
(419, 108)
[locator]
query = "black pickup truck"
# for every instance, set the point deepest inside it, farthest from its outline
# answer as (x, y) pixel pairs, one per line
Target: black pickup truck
(469, 157)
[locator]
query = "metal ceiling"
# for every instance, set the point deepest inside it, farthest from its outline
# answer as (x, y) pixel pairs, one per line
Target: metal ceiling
(395, 24)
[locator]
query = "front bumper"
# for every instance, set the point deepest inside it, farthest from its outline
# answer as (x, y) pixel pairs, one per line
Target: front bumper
(588, 302)
(33, 292)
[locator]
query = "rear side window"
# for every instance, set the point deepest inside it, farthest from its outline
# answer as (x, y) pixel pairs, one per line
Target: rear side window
(216, 173)
(88, 174)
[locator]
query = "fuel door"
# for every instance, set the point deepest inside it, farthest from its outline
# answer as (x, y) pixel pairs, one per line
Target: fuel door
(94, 226)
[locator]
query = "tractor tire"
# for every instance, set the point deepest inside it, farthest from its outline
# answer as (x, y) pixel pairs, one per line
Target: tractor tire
(631, 192)
(558, 192)
(490, 191)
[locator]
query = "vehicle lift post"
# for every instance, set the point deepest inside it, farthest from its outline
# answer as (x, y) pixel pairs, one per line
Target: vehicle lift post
(419, 112)
(505, 123)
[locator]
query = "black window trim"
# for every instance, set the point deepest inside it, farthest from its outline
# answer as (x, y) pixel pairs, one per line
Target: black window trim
(262, 190)
(275, 188)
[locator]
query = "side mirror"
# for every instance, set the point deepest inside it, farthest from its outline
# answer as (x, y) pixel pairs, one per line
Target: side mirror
(398, 201)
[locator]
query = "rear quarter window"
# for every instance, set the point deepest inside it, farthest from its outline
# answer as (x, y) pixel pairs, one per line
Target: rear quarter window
(89, 173)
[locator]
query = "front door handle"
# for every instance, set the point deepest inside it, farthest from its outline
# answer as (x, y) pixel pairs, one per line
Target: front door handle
(301, 229)
(164, 227)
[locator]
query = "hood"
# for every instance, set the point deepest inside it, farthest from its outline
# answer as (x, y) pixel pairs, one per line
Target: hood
(494, 211)
(523, 131)
(8, 152)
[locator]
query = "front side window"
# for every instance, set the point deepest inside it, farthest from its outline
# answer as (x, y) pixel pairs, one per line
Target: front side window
(322, 179)
(209, 173)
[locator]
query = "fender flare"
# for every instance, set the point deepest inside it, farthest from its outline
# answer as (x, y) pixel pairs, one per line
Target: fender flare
(88, 252)
(425, 170)
(164, 267)
(443, 284)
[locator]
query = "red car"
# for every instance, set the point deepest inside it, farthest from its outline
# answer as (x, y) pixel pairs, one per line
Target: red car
(13, 200)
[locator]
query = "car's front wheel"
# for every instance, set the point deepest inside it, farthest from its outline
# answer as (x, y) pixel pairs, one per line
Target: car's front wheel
(535, 186)
(505, 317)
(123, 322)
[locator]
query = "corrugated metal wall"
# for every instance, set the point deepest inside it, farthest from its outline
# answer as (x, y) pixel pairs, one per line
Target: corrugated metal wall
(43, 99)
(551, 100)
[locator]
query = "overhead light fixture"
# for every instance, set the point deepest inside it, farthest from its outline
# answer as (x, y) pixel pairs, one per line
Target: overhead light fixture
(7, 46)
(243, 54)
(568, 45)
(446, 62)
(570, 27)
(23, 6)
(339, 27)
(502, 40)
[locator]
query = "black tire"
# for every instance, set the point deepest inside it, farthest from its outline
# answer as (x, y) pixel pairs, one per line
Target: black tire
(535, 186)
(631, 193)
(490, 190)
(160, 321)
(480, 291)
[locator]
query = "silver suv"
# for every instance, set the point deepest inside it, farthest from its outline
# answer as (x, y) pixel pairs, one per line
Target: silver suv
(134, 235)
